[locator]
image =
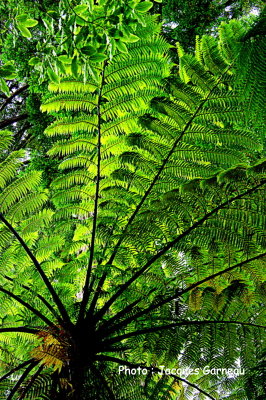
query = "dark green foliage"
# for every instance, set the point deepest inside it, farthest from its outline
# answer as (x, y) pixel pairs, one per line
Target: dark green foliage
(187, 19)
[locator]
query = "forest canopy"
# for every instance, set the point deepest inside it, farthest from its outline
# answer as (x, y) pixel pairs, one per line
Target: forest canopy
(132, 200)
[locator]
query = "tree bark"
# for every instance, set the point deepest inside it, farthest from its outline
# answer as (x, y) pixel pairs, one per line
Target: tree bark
(14, 94)
(10, 121)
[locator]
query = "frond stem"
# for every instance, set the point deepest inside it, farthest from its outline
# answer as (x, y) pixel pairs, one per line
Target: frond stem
(181, 292)
(169, 326)
(20, 366)
(120, 314)
(45, 302)
(38, 267)
(85, 298)
(21, 379)
(22, 329)
(28, 306)
(33, 378)
(155, 179)
(173, 243)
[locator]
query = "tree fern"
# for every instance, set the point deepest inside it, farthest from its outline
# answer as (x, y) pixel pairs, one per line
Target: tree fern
(153, 193)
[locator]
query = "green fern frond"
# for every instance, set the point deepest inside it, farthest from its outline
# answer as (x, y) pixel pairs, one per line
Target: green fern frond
(18, 189)
(70, 103)
(69, 126)
(6, 139)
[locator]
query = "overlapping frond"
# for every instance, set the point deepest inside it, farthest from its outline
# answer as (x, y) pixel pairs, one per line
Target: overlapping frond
(162, 194)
